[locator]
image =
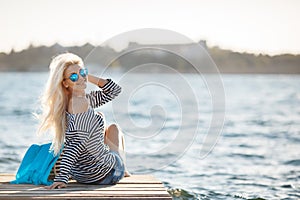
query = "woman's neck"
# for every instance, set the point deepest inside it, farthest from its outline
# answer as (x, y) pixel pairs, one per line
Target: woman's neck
(80, 93)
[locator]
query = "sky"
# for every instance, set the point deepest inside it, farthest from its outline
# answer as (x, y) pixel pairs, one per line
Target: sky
(253, 26)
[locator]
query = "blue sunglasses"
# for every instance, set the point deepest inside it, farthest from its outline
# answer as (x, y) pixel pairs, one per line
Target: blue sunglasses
(74, 77)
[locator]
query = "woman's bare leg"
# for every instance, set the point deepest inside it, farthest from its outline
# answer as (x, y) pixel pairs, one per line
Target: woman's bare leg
(114, 138)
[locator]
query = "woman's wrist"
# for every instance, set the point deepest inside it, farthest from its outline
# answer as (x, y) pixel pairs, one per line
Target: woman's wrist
(102, 82)
(97, 81)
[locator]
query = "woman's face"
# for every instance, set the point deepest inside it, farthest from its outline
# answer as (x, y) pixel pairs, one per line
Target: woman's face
(80, 84)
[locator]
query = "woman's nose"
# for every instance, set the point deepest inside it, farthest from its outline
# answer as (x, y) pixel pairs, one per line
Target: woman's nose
(82, 78)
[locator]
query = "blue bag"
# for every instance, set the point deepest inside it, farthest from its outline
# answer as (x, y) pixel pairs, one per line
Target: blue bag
(36, 165)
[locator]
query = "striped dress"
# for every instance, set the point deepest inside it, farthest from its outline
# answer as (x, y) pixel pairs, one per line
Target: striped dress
(85, 157)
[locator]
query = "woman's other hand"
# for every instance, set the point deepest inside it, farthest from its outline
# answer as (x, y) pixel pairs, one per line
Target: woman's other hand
(56, 185)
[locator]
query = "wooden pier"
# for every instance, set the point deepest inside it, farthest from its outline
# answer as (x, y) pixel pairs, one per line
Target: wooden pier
(134, 187)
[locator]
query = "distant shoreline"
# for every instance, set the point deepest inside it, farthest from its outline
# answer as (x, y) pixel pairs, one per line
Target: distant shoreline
(228, 62)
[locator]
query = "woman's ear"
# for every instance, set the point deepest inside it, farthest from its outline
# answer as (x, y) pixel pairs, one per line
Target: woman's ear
(65, 84)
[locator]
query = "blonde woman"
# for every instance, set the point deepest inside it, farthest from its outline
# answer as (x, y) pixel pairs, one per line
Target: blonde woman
(92, 153)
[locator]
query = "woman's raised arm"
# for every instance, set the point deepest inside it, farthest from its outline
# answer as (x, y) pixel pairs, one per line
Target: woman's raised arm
(97, 81)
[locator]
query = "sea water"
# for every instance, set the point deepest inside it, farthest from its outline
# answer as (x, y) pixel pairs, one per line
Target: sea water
(252, 146)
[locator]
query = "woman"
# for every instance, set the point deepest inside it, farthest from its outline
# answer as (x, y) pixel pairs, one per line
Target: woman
(91, 153)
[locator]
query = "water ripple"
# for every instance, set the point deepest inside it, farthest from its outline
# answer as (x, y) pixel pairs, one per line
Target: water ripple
(295, 162)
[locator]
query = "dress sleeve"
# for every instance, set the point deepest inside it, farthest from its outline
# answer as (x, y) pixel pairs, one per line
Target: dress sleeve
(108, 92)
(73, 148)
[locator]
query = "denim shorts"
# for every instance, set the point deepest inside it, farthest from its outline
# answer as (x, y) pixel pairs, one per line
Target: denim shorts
(115, 174)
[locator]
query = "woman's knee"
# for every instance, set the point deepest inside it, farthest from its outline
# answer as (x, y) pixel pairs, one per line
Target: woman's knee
(113, 132)
(113, 128)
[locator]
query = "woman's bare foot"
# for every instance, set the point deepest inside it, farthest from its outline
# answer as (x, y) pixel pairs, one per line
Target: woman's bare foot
(127, 174)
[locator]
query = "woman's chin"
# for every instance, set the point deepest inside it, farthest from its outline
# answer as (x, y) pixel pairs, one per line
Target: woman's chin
(79, 88)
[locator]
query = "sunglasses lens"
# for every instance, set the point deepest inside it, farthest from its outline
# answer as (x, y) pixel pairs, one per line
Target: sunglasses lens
(83, 72)
(74, 77)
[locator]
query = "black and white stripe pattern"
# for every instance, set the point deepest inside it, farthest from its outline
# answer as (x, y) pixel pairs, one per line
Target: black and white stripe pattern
(85, 156)
(109, 91)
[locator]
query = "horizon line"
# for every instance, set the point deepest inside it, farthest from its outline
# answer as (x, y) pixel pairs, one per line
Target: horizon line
(31, 45)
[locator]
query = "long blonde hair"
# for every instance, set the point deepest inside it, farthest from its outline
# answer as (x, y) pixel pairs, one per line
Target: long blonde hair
(54, 100)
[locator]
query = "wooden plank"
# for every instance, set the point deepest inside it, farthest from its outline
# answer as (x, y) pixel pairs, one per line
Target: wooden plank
(134, 187)
(9, 190)
(81, 188)
(4, 178)
(87, 193)
(85, 197)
